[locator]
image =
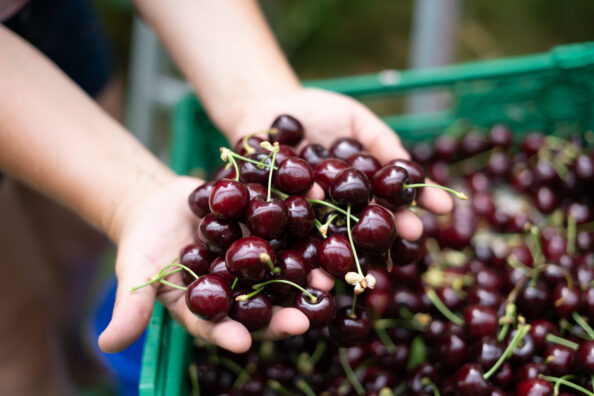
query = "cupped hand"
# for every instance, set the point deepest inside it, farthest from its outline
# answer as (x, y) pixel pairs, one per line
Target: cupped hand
(327, 116)
(154, 231)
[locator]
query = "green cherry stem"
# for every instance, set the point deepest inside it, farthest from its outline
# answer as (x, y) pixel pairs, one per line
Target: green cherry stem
(274, 153)
(427, 382)
(569, 384)
(320, 227)
(562, 341)
(350, 234)
(384, 337)
(522, 330)
(510, 312)
(583, 324)
(331, 205)
(234, 283)
(457, 194)
(227, 155)
(352, 314)
(193, 373)
(305, 388)
(250, 149)
(166, 282)
(163, 274)
(441, 307)
(571, 234)
(348, 371)
(313, 298)
(226, 151)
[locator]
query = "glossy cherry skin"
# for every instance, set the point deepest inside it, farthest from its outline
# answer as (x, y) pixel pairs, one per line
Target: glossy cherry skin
(415, 172)
(559, 359)
(565, 300)
(319, 313)
(539, 330)
(198, 199)
(499, 164)
(525, 351)
(228, 199)
(288, 130)
(292, 268)
(335, 256)
(389, 185)
(294, 176)
(256, 190)
(223, 172)
(375, 231)
(405, 252)
(500, 136)
(266, 219)
(532, 143)
(584, 357)
(446, 147)
(480, 321)
(486, 351)
(284, 152)
(349, 329)
(473, 142)
(583, 168)
(366, 163)
(253, 142)
(469, 381)
(209, 297)
(300, 216)
(503, 377)
(545, 199)
(343, 148)
(247, 257)
(218, 234)
(414, 379)
(529, 371)
(308, 248)
(197, 257)
(314, 153)
(422, 152)
(326, 171)
(534, 387)
(219, 268)
(534, 300)
(452, 351)
(252, 173)
(350, 186)
(254, 313)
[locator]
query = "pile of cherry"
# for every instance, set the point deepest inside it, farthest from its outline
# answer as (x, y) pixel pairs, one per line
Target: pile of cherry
(494, 299)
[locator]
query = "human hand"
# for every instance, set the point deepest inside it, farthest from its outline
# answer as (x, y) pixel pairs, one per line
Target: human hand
(153, 231)
(327, 116)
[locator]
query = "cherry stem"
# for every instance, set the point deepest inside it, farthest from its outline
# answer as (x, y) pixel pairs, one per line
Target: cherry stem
(384, 337)
(352, 314)
(583, 324)
(227, 155)
(522, 330)
(274, 153)
(250, 149)
(457, 194)
(305, 388)
(351, 240)
(441, 307)
(245, 297)
(241, 157)
(510, 312)
(571, 234)
(562, 341)
(313, 298)
(265, 258)
(234, 283)
(320, 227)
(317, 353)
(569, 384)
(330, 205)
(276, 386)
(178, 287)
(348, 371)
(427, 382)
(193, 373)
(160, 275)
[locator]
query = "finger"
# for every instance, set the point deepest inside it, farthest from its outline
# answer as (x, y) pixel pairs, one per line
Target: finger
(316, 192)
(437, 201)
(285, 322)
(318, 279)
(409, 226)
(132, 310)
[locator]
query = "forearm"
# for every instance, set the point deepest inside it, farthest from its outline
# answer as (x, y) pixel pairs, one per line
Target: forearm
(225, 49)
(58, 141)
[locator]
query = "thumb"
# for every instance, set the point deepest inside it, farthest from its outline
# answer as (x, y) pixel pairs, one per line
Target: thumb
(132, 310)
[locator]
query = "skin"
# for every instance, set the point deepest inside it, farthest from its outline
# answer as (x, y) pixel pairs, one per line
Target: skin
(92, 165)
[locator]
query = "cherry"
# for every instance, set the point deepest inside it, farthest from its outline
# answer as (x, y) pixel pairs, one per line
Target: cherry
(300, 216)
(218, 234)
(335, 256)
(488, 278)
(294, 176)
(224, 172)
(389, 185)
(250, 257)
(473, 143)
(503, 376)
(403, 298)
(350, 186)
(485, 297)
(337, 226)
(422, 152)
(292, 268)
(405, 252)
(439, 172)
(583, 168)
(280, 372)
(480, 321)
(375, 230)
(534, 387)
(254, 313)
(266, 219)
(500, 136)
(288, 130)
(486, 351)
(349, 328)
(559, 359)
(415, 382)
(544, 172)
(445, 147)
(533, 300)
(479, 182)
(415, 172)
(308, 248)
(539, 330)
(524, 351)
(228, 199)
(314, 153)
(252, 173)
(321, 312)
(565, 300)
(209, 297)
(198, 199)
(343, 148)
(452, 351)
(366, 163)
(584, 357)
(499, 164)
(253, 142)
(580, 211)
(196, 257)
(545, 199)
(483, 205)
(256, 190)
(529, 371)
(219, 268)
(532, 143)
(469, 381)
(378, 301)
(254, 386)
(376, 379)
(522, 178)
(588, 303)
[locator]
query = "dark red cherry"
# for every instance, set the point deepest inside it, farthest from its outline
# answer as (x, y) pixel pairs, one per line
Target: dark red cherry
(327, 170)
(532, 143)
(314, 153)
(254, 313)
(405, 252)
(377, 301)
(301, 216)
(545, 199)
(256, 190)
(198, 199)
(479, 182)
(294, 176)
(422, 152)
(403, 302)
(583, 168)
(209, 297)
(584, 357)
(343, 148)
(252, 173)
(499, 164)
(375, 230)
(253, 143)
(366, 163)
(440, 173)
(266, 219)
(218, 234)
(533, 300)
(469, 381)
(473, 142)
(524, 351)
(485, 297)
(452, 351)
(486, 351)
(588, 303)
(219, 268)
(308, 248)
(389, 186)
(500, 136)
(480, 321)
(197, 257)
(503, 377)
(319, 313)
(580, 211)
(544, 172)
(415, 382)
(446, 147)
(559, 360)
(539, 330)
(335, 256)
(350, 186)
(565, 300)
(415, 172)
(250, 257)
(349, 328)
(228, 199)
(534, 387)
(288, 130)
(522, 178)
(292, 268)
(225, 171)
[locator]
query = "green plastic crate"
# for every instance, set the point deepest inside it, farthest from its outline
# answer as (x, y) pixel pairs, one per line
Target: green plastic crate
(553, 91)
